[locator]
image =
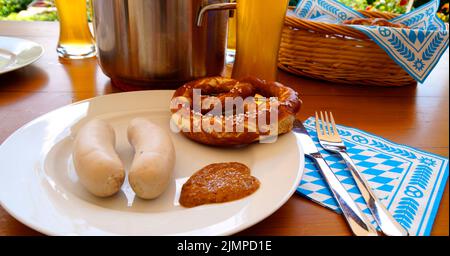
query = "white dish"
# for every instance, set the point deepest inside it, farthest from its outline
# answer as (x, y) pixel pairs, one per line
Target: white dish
(16, 53)
(38, 184)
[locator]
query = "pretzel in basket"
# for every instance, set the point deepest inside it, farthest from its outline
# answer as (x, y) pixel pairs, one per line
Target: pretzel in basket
(203, 119)
(374, 22)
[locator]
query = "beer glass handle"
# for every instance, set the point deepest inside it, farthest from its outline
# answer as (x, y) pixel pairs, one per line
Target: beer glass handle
(214, 7)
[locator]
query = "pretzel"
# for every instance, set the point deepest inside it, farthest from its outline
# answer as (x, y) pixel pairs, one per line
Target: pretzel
(374, 22)
(238, 126)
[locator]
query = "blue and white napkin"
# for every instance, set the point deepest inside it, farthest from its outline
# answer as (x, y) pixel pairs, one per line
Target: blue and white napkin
(416, 50)
(410, 182)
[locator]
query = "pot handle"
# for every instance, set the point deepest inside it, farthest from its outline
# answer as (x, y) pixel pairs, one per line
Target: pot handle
(213, 7)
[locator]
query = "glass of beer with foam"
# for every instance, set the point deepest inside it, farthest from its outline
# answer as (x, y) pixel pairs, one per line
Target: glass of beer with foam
(75, 38)
(259, 27)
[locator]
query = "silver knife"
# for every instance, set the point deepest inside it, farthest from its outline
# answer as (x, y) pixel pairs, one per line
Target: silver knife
(356, 219)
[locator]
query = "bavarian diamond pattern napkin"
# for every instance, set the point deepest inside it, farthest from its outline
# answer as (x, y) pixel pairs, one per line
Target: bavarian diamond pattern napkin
(408, 181)
(416, 50)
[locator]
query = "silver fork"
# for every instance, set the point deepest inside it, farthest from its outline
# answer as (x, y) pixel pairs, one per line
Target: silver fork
(331, 141)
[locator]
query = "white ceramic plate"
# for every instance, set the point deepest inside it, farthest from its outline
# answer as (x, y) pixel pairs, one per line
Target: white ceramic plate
(16, 53)
(39, 187)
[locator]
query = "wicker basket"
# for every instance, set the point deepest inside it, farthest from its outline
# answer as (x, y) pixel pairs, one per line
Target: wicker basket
(338, 53)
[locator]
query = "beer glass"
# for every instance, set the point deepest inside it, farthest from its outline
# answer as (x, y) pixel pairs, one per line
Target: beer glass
(231, 44)
(231, 38)
(259, 27)
(75, 38)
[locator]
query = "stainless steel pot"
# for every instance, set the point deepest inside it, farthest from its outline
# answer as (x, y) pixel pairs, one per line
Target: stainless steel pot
(144, 44)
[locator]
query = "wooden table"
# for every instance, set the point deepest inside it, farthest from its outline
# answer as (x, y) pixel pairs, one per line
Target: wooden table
(413, 115)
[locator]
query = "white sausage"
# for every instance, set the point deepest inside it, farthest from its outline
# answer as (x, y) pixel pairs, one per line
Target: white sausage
(97, 164)
(154, 159)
